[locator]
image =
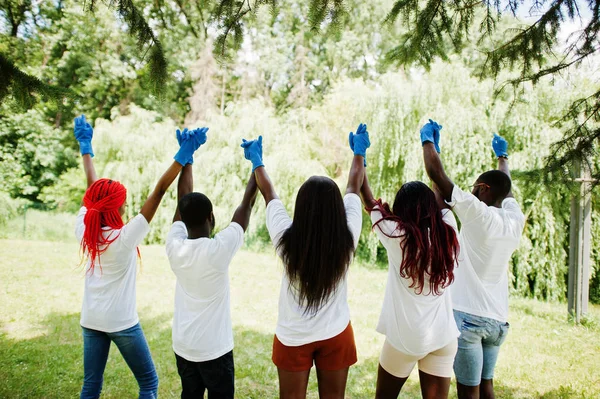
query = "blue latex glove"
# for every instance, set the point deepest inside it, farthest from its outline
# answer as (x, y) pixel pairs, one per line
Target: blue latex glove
(83, 134)
(359, 141)
(430, 132)
(190, 141)
(253, 152)
(181, 137)
(500, 146)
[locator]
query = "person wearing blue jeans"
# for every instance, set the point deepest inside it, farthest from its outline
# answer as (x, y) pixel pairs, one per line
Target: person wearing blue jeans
(491, 226)
(134, 349)
(108, 312)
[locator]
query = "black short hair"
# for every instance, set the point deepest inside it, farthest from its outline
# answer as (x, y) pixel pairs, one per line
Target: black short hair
(195, 209)
(499, 183)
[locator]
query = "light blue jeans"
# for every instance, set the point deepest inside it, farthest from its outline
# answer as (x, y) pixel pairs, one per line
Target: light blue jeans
(134, 349)
(478, 347)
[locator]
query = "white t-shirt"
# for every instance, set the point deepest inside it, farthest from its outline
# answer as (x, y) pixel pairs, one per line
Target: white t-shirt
(202, 321)
(294, 328)
(109, 294)
(415, 324)
(488, 237)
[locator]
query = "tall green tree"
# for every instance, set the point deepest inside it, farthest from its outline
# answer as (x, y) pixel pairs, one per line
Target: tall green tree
(436, 28)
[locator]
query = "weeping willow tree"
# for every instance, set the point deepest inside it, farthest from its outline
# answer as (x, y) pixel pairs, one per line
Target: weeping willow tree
(434, 29)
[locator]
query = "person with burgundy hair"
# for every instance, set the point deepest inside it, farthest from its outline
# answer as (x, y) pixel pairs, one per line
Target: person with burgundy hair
(108, 312)
(420, 237)
(491, 226)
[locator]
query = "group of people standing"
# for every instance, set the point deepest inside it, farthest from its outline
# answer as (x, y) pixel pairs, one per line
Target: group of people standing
(445, 304)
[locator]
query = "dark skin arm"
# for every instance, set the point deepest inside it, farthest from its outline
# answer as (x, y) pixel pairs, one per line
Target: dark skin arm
(243, 212)
(435, 171)
(264, 184)
(356, 176)
(90, 171)
(185, 185)
(151, 205)
(439, 198)
(503, 167)
(366, 194)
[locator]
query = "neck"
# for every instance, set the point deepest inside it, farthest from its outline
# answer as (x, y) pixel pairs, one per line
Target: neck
(198, 232)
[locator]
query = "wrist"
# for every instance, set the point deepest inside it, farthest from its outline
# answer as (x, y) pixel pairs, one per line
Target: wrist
(85, 147)
(503, 156)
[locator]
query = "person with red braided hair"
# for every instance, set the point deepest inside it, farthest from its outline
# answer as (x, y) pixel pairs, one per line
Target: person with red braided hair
(421, 240)
(109, 312)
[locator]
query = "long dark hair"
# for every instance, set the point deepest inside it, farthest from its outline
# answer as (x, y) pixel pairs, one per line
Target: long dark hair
(429, 245)
(318, 246)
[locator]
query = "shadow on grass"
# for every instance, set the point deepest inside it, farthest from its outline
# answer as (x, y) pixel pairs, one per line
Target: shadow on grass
(51, 366)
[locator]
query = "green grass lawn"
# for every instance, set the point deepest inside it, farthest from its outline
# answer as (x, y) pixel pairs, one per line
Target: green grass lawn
(41, 346)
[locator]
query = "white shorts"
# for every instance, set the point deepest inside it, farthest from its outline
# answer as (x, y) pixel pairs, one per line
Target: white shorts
(438, 363)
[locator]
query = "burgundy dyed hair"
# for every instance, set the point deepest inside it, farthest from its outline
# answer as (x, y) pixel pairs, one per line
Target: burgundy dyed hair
(429, 245)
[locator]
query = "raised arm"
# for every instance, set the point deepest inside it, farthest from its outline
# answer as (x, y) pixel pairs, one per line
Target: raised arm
(430, 138)
(184, 186)
(186, 152)
(359, 142)
(500, 147)
(366, 194)
(253, 152)
(83, 134)
(356, 175)
(151, 205)
(243, 212)
(90, 171)
(264, 185)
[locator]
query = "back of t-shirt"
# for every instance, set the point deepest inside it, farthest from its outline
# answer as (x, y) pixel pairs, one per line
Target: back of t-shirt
(488, 238)
(202, 320)
(109, 299)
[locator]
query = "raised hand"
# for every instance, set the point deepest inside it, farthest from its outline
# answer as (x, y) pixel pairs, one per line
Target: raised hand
(430, 132)
(500, 146)
(189, 141)
(253, 152)
(83, 134)
(359, 141)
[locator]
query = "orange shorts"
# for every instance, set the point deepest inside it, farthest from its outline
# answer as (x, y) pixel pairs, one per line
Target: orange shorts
(335, 353)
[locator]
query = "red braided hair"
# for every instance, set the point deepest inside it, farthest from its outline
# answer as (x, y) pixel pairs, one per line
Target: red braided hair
(102, 200)
(430, 246)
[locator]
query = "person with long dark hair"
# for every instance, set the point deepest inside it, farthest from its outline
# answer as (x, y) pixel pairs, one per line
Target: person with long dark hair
(420, 238)
(108, 313)
(316, 247)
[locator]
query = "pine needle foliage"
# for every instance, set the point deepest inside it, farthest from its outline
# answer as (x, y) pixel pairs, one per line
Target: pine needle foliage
(23, 88)
(146, 39)
(437, 27)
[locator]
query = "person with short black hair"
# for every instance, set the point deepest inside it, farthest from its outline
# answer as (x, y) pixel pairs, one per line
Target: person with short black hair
(108, 313)
(491, 226)
(202, 330)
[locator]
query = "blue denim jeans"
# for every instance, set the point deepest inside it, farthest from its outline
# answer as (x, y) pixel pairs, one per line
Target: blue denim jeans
(134, 349)
(478, 347)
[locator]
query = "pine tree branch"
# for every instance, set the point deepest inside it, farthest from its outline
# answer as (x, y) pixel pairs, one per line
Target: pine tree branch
(23, 87)
(579, 144)
(139, 28)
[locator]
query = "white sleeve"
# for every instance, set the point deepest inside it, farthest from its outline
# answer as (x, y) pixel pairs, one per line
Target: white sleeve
(468, 207)
(386, 230)
(79, 225)
(278, 220)
(134, 231)
(511, 207)
(449, 219)
(353, 207)
(225, 244)
(177, 235)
